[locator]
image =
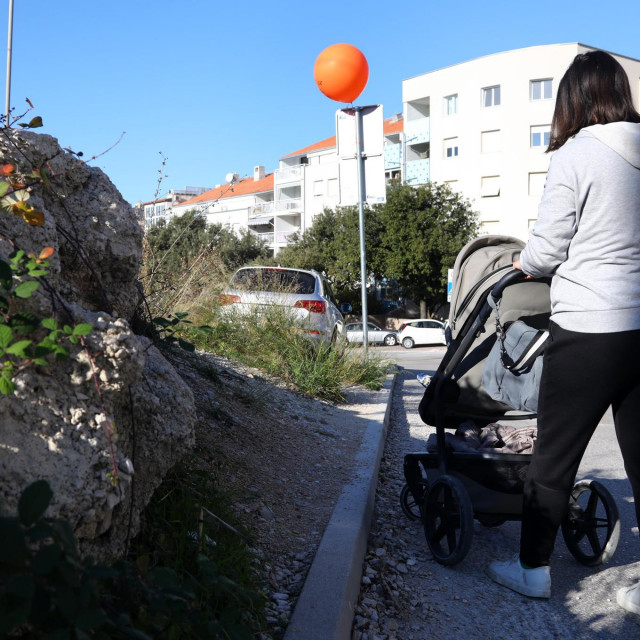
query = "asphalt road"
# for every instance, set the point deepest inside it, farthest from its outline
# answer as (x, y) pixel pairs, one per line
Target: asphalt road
(583, 603)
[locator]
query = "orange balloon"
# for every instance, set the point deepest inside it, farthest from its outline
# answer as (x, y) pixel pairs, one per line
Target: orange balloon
(341, 72)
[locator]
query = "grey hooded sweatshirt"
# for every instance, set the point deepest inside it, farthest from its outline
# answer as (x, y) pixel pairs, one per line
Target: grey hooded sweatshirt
(587, 235)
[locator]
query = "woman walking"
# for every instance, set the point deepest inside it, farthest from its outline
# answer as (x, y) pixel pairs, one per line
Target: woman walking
(587, 238)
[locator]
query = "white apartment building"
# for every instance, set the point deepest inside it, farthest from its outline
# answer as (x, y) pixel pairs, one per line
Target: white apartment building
(482, 126)
(277, 205)
(164, 207)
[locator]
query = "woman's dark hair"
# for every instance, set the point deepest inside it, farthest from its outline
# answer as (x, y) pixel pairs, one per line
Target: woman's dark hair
(594, 90)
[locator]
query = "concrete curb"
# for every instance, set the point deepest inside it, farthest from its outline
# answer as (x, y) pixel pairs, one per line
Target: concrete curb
(325, 608)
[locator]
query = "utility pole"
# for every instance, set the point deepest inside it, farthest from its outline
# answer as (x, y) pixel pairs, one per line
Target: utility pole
(7, 107)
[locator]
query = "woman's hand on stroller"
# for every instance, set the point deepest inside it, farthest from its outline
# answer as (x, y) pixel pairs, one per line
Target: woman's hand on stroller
(517, 265)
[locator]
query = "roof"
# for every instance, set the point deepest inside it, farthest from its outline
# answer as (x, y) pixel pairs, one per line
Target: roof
(243, 187)
(390, 126)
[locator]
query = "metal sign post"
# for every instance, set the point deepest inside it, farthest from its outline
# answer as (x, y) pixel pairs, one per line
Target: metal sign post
(360, 129)
(362, 191)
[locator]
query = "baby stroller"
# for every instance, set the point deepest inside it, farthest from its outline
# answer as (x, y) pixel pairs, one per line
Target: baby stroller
(447, 488)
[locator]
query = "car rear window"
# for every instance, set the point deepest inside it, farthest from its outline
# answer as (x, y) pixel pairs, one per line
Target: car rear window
(274, 280)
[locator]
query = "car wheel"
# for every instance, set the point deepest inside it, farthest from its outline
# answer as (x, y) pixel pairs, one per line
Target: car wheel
(408, 343)
(390, 340)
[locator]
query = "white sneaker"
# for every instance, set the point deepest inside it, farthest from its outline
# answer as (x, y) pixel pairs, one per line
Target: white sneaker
(535, 583)
(629, 598)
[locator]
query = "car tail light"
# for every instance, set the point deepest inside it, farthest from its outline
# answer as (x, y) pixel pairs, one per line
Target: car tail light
(224, 299)
(402, 326)
(313, 306)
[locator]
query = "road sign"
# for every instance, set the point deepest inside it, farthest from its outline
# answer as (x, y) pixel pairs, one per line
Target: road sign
(372, 151)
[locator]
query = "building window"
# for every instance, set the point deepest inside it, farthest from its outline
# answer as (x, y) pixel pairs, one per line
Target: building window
(540, 89)
(451, 104)
(490, 186)
(332, 187)
(490, 141)
(491, 96)
(451, 148)
(536, 183)
(318, 188)
(540, 135)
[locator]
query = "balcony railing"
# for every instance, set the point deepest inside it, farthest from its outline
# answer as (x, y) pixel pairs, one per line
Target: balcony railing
(261, 208)
(417, 172)
(285, 236)
(416, 131)
(290, 205)
(290, 174)
(267, 237)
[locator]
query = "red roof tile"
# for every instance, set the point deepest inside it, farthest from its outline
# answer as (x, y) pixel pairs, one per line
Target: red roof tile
(390, 125)
(243, 187)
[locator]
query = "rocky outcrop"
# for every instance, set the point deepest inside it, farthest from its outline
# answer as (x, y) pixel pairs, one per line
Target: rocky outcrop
(58, 423)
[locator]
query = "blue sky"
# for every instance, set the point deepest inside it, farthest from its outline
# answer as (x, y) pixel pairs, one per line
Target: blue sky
(219, 87)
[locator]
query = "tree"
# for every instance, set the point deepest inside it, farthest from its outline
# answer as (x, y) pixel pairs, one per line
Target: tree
(332, 246)
(424, 230)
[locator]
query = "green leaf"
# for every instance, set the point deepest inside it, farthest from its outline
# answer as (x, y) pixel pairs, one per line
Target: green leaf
(6, 335)
(50, 323)
(181, 315)
(4, 187)
(26, 289)
(165, 578)
(23, 322)
(163, 322)
(82, 329)
(46, 559)
(67, 329)
(91, 618)
(17, 348)
(6, 386)
(35, 123)
(22, 586)
(34, 502)
(187, 346)
(5, 269)
(36, 273)
(13, 550)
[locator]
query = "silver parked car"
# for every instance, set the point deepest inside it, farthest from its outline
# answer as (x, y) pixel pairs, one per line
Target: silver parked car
(375, 334)
(304, 294)
(424, 331)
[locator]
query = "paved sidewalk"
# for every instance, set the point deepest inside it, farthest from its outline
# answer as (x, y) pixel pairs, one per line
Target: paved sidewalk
(325, 608)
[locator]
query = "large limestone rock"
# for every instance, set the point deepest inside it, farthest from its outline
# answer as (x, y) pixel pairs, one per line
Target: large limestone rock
(115, 408)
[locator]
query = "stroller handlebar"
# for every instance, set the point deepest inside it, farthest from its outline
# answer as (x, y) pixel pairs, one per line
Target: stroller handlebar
(507, 280)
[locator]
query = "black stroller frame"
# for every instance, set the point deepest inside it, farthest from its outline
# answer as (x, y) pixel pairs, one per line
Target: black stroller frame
(448, 489)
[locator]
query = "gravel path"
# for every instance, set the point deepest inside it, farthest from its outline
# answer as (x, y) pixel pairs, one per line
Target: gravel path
(406, 595)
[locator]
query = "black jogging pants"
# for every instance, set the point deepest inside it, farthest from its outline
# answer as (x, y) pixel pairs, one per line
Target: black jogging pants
(583, 374)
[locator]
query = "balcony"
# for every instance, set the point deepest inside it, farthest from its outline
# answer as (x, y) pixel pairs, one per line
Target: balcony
(261, 209)
(266, 237)
(416, 131)
(391, 156)
(417, 171)
(289, 174)
(288, 205)
(283, 237)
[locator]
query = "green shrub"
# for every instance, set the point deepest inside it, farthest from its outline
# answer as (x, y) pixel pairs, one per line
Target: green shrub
(274, 343)
(177, 588)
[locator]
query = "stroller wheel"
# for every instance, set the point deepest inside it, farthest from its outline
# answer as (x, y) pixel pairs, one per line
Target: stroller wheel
(448, 520)
(591, 529)
(411, 506)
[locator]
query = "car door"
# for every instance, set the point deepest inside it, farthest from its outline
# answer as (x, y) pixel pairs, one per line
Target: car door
(431, 332)
(375, 334)
(355, 332)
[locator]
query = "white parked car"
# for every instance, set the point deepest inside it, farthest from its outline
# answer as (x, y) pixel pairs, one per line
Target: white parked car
(304, 294)
(423, 331)
(375, 334)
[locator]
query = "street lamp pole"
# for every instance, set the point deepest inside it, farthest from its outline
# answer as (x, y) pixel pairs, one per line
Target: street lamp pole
(8, 88)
